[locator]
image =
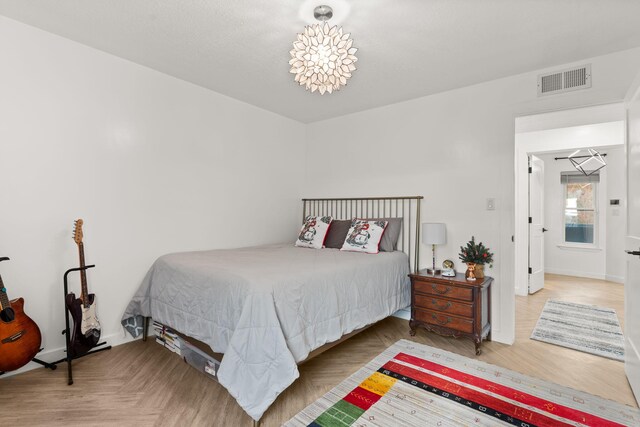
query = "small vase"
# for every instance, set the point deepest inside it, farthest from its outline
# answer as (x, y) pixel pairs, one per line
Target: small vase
(470, 274)
(479, 271)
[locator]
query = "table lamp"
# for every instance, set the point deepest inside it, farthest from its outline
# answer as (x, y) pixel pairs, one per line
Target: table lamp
(434, 233)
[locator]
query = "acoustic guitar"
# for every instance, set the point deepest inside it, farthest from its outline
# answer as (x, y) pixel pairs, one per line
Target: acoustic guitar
(19, 335)
(86, 327)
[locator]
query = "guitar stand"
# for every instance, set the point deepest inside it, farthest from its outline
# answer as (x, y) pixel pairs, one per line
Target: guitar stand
(47, 365)
(67, 331)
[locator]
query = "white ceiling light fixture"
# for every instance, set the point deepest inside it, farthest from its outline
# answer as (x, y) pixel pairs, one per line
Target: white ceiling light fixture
(323, 57)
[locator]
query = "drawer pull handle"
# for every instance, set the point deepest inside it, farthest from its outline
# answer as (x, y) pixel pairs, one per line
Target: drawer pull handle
(446, 289)
(440, 322)
(441, 307)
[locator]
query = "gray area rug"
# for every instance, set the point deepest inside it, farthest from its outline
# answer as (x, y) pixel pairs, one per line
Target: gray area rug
(582, 327)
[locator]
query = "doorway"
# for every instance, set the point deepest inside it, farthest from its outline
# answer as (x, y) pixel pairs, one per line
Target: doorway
(577, 220)
(565, 226)
(548, 134)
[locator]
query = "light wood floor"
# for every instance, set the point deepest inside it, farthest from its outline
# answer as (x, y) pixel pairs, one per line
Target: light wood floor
(143, 384)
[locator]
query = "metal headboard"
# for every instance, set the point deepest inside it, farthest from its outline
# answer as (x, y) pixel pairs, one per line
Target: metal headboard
(407, 208)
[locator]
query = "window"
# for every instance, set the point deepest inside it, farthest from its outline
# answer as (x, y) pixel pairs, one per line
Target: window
(580, 210)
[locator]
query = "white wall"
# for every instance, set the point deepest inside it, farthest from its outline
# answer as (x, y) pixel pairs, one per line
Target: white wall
(457, 149)
(616, 216)
(598, 262)
(156, 165)
(153, 164)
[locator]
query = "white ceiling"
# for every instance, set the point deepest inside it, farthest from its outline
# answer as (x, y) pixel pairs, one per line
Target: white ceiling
(407, 48)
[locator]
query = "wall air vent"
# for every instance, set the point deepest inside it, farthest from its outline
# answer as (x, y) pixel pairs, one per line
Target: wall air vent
(564, 80)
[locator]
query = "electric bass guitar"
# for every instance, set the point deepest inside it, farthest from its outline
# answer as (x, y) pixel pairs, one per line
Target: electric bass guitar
(86, 327)
(19, 335)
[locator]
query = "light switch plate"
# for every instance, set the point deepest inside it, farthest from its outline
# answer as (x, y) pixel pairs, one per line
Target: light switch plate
(491, 204)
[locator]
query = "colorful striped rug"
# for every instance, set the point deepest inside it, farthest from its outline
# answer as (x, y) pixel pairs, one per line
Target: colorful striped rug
(582, 327)
(411, 384)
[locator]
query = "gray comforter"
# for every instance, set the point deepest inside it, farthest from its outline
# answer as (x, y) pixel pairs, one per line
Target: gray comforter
(266, 308)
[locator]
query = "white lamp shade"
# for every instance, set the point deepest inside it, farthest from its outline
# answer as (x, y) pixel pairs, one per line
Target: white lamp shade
(434, 233)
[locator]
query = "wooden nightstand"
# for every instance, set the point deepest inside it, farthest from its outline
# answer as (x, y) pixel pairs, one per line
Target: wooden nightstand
(451, 306)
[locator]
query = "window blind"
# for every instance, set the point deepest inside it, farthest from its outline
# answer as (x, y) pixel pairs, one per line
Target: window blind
(576, 177)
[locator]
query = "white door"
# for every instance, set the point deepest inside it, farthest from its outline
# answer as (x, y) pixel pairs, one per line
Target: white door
(536, 220)
(632, 283)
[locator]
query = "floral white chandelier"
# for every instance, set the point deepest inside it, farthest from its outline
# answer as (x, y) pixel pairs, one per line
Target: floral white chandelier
(323, 57)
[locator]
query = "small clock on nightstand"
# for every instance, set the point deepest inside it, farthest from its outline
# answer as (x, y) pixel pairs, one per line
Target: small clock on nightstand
(448, 269)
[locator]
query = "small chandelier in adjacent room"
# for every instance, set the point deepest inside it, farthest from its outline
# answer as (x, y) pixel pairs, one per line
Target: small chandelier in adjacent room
(592, 162)
(323, 57)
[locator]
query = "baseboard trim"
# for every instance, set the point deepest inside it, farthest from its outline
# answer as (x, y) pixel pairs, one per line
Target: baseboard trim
(123, 338)
(575, 273)
(503, 338)
(615, 279)
(59, 353)
(403, 313)
(496, 334)
(632, 369)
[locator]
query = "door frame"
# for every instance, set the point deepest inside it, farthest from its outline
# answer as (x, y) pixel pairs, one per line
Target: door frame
(632, 95)
(544, 133)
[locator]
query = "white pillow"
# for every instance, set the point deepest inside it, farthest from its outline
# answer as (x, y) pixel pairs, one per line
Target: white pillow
(314, 231)
(364, 236)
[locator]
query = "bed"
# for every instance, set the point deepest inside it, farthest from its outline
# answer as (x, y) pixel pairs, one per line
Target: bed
(271, 307)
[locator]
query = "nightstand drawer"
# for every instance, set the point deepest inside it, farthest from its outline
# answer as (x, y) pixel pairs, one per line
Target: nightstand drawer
(444, 305)
(445, 320)
(448, 291)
